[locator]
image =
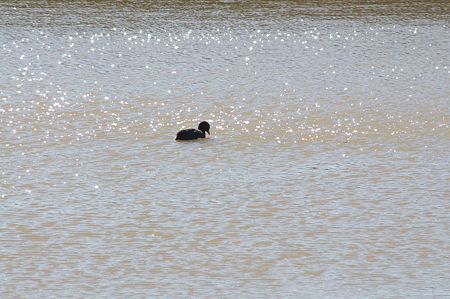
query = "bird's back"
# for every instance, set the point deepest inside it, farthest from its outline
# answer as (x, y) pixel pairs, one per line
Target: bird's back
(189, 134)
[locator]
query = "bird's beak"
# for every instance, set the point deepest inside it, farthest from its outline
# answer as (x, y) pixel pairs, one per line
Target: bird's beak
(208, 132)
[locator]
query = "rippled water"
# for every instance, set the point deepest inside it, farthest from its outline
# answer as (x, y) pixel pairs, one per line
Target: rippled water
(326, 174)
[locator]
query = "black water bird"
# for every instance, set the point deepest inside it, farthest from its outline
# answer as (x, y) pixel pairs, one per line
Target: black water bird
(191, 134)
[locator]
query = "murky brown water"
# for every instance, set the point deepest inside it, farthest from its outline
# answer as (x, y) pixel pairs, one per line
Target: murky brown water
(326, 174)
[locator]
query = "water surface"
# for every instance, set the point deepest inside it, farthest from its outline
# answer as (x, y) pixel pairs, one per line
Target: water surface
(326, 174)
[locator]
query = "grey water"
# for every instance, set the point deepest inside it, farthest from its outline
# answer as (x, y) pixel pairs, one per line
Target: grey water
(326, 174)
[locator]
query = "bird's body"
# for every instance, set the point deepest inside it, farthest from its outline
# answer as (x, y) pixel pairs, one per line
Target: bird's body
(191, 134)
